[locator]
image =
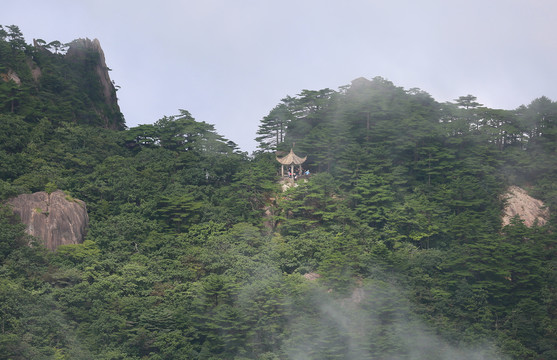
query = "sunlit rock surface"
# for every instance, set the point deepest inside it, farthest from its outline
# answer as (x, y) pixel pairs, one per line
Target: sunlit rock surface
(529, 209)
(56, 218)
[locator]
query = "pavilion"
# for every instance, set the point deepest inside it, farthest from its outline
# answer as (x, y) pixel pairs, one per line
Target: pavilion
(290, 160)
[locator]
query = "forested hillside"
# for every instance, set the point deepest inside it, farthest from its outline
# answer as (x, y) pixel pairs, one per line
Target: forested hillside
(393, 247)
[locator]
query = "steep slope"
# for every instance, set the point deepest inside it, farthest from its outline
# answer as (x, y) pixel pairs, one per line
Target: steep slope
(61, 82)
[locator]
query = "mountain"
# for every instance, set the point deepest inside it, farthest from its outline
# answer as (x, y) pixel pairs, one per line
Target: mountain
(64, 83)
(393, 247)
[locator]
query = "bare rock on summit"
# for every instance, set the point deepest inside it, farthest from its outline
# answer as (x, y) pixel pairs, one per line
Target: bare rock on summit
(55, 218)
(79, 49)
(529, 209)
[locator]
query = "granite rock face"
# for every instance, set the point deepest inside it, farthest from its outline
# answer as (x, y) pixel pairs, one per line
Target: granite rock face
(81, 50)
(530, 210)
(55, 218)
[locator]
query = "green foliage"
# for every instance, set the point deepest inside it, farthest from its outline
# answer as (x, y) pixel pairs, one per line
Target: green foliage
(50, 187)
(253, 186)
(392, 248)
(273, 128)
(12, 235)
(178, 211)
(65, 87)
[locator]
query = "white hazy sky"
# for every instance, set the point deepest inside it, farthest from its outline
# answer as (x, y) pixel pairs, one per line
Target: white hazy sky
(229, 62)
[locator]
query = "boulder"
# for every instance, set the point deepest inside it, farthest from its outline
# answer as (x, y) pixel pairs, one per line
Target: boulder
(55, 219)
(529, 209)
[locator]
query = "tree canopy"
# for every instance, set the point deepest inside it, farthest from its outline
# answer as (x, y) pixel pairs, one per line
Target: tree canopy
(392, 248)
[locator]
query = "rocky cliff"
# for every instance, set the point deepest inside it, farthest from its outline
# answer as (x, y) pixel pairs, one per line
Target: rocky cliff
(90, 54)
(74, 74)
(56, 218)
(79, 50)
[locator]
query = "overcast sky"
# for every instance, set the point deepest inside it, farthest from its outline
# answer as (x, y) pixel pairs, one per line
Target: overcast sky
(229, 62)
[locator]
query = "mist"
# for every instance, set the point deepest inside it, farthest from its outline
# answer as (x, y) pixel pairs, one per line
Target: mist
(375, 322)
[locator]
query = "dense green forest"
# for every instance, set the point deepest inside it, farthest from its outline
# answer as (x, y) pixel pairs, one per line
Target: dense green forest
(393, 247)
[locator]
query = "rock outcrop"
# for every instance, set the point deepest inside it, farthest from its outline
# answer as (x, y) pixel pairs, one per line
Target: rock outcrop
(11, 76)
(531, 210)
(79, 50)
(56, 218)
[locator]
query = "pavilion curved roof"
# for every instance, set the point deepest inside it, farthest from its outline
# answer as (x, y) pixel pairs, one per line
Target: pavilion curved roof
(291, 158)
